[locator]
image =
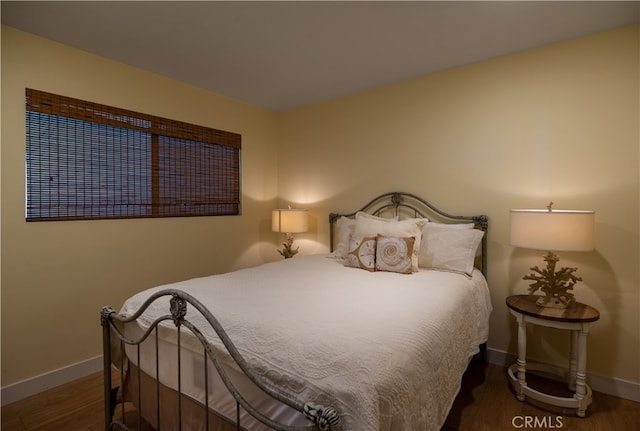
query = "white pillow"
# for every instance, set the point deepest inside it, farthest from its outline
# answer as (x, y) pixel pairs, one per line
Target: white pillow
(368, 226)
(414, 218)
(344, 230)
(453, 225)
(449, 249)
(362, 214)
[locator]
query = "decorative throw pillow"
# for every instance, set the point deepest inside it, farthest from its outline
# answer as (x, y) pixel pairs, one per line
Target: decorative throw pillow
(394, 254)
(450, 249)
(362, 253)
(401, 229)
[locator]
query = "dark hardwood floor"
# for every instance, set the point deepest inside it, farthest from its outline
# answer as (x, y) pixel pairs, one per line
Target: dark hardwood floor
(485, 403)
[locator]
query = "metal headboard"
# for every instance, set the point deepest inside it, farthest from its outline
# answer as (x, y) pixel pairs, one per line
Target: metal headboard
(415, 206)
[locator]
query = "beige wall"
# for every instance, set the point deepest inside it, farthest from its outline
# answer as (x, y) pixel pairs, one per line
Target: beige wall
(559, 123)
(57, 275)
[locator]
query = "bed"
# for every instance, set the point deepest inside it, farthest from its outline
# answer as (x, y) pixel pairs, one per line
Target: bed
(374, 335)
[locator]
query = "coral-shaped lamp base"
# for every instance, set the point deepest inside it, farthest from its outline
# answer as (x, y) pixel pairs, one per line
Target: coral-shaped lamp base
(288, 250)
(554, 284)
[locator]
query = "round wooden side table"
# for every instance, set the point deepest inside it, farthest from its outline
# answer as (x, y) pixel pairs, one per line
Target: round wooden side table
(577, 318)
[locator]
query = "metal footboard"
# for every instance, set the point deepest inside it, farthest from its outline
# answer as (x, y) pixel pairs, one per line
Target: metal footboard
(320, 417)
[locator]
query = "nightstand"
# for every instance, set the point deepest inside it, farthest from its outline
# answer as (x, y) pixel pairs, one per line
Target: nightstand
(577, 318)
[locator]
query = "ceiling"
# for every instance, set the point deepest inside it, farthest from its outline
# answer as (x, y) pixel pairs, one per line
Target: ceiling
(283, 55)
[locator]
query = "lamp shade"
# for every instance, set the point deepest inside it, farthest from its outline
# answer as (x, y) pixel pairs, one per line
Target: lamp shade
(555, 230)
(289, 220)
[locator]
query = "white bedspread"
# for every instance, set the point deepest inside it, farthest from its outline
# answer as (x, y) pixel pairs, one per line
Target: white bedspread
(386, 350)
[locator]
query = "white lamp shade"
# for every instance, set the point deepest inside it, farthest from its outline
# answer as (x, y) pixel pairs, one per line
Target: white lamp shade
(289, 220)
(556, 230)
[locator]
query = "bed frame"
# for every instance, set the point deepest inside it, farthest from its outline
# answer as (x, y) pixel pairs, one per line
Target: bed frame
(320, 417)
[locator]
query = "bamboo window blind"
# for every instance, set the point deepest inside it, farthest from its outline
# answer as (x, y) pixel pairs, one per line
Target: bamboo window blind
(90, 161)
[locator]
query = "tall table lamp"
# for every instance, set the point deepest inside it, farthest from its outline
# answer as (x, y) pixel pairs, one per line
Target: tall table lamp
(552, 230)
(289, 221)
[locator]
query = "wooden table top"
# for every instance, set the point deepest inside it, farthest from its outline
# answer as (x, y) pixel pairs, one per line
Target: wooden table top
(575, 312)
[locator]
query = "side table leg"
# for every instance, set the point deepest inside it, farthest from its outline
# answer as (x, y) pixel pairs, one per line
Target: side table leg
(522, 355)
(581, 376)
(573, 360)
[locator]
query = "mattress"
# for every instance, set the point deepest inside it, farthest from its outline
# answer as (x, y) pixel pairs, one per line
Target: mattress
(386, 350)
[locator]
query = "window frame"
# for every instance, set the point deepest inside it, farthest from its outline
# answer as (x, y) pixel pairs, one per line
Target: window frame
(204, 190)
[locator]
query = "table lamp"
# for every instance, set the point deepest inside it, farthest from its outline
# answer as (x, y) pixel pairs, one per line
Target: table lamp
(552, 230)
(289, 221)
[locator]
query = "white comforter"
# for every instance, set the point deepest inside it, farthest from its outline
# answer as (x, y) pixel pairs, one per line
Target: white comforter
(386, 350)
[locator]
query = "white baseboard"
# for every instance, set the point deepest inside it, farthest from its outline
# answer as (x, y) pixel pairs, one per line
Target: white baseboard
(34, 385)
(608, 385)
(26, 388)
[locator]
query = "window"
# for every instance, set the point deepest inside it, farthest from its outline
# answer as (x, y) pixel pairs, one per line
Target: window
(91, 161)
